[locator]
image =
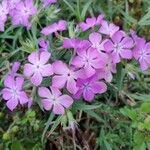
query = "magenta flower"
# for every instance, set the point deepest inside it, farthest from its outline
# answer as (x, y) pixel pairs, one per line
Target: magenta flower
(108, 69)
(64, 76)
(48, 2)
(120, 47)
(61, 25)
(4, 10)
(37, 68)
(89, 60)
(53, 99)
(13, 92)
(22, 13)
(108, 29)
(91, 22)
(89, 87)
(142, 53)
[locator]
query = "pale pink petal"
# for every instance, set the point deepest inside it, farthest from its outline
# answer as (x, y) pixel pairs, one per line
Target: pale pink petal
(58, 109)
(23, 98)
(6, 94)
(28, 70)
(19, 82)
(44, 57)
(59, 67)
(127, 42)
(88, 95)
(36, 79)
(115, 57)
(117, 37)
(143, 65)
(65, 101)
(33, 57)
(108, 46)
(12, 104)
(58, 81)
(55, 92)
(127, 54)
(99, 87)
(77, 62)
(9, 81)
(47, 70)
(71, 86)
(95, 38)
(89, 71)
(47, 104)
(44, 92)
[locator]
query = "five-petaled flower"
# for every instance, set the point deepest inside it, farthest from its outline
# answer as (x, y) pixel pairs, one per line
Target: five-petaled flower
(53, 99)
(13, 92)
(119, 47)
(142, 53)
(37, 68)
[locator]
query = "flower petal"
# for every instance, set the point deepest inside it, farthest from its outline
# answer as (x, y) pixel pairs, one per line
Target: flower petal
(88, 95)
(127, 42)
(65, 100)
(108, 46)
(33, 57)
(117, 37)
(127, 54)
(44, 92)
(23, 98)
(47, 104)
(58, 109)
(9, 81)
(47, 70)
(19, 82)
(36, 79)
(12, 104)
(58, 81)
(99, 87)
(71, 86)
(95, 38)
(44, 57)
(28, 70)
(77, 62)
(6, 94)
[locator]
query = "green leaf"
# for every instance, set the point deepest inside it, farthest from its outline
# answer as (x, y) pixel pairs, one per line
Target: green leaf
(145, 107)
(51, 117)
(16, 145)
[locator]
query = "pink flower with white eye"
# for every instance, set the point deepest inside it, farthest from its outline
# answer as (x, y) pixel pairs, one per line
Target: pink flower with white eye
(119, 46)
(22, 13)
(13, 92)
(141, 53)
(91, 22)
(61, 25)
(53, 99)
(108, 28)
(4, 10)
(89, 87)
(64, 76)
(38, 67)
(89, 60)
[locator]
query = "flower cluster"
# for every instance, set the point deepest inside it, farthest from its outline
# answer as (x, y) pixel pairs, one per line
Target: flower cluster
(92, 65)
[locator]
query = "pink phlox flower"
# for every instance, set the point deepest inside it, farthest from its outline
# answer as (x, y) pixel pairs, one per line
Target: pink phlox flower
(89, 60)
(4, 10)
(141, 53)
(119, 46)
(48, 2)
(108, 28)
(53, 99)
(89, 87)
(64, 76)
(22, 13)
(61, 25)
(91, 22)
(38, 67)
(13, 92)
